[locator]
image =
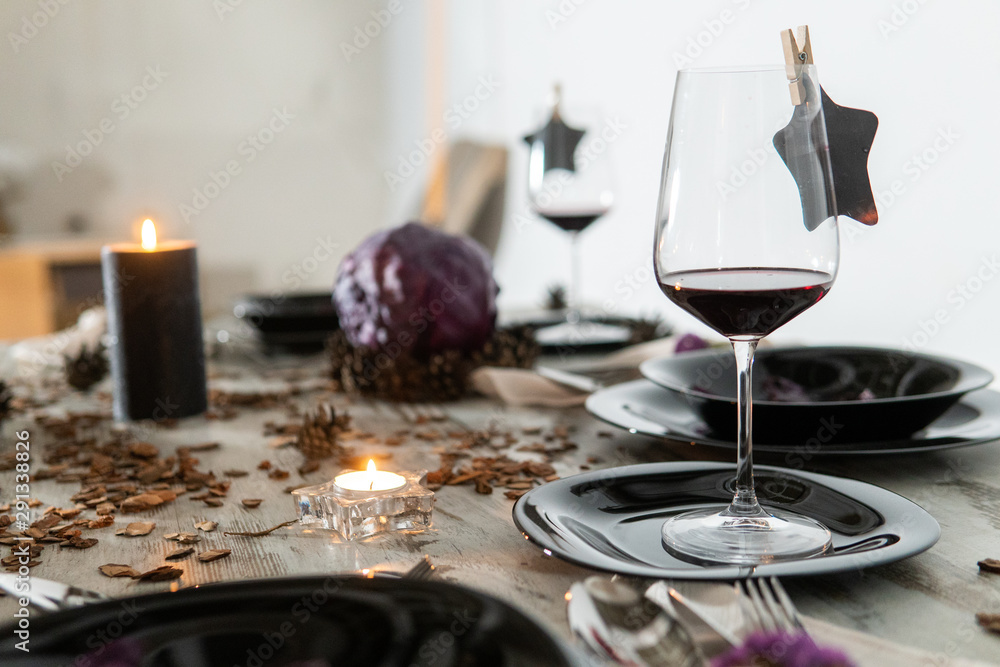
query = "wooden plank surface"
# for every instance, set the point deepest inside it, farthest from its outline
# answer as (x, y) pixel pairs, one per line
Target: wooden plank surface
(928, 601)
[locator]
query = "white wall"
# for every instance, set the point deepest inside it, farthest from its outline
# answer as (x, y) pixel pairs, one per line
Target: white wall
(934, 74)
(224, 73)
(354, 121)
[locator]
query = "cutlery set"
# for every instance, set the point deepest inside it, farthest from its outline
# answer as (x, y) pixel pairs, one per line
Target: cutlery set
(631, 622)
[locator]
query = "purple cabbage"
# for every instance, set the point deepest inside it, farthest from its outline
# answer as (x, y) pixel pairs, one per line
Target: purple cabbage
(417, 289)
(781, 649)
(690, 342)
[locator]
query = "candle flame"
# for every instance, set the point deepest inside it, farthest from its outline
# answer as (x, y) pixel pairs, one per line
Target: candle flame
(371, 466)
(148, 235)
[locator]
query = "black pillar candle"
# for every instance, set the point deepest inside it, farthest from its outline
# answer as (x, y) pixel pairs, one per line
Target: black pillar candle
(154, 324)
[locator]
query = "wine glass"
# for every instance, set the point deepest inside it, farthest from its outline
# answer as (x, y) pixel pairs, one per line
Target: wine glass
(570, 183)
(745, 246)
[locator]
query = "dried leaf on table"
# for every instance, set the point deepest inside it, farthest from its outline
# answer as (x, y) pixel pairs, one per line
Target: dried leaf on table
(235, 473)
(213, 502)
(989, 622)
(252, 502)
(213, 554)
(101, 522)
(178, 554)
(204, 447)
(140, 503)
(116, 570)
(137, 529)
(207, 526)
(183, 538)
(162, 573)
(308, 467)
(78, 542)
(143, 450)
(990, 565)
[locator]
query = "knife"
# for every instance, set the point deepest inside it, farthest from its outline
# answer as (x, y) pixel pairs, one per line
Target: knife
(707, 635)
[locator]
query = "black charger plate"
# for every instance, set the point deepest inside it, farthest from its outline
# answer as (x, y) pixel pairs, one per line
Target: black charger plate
(799, 389)
(645, 408)
(315, 621)
(296, 323)
(610, 519)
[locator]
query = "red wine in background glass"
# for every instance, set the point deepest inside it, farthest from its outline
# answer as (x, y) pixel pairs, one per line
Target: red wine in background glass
(750, 301)
(571, 220)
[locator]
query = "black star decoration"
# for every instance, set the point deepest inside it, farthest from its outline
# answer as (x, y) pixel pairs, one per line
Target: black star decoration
(558, 143)
(850, 134)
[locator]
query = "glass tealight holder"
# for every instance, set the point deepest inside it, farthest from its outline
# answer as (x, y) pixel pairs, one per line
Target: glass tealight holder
(355, 514)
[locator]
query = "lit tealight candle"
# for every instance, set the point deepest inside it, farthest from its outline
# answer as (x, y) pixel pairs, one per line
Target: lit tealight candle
(370, 481)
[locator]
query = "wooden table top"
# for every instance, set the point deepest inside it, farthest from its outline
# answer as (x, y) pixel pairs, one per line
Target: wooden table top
(927, 601)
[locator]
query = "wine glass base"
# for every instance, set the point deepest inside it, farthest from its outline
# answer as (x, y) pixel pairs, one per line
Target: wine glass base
(713, 536)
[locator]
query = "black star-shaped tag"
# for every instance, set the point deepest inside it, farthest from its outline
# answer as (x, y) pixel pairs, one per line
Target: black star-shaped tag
(558, 143)
(850, 133)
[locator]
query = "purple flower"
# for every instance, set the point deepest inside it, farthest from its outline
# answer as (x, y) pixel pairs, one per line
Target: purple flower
(781, 649)
(690, 343)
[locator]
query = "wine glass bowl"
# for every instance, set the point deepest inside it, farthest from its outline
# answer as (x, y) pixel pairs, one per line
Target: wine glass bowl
(746, 240)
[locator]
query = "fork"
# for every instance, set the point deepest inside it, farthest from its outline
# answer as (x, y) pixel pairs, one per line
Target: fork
(767, 606)
(49, 595)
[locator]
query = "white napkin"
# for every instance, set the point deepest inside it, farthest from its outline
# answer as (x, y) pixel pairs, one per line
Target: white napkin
(518, 386)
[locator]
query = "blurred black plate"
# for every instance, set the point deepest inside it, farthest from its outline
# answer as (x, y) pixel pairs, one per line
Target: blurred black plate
(610, 519)
(314, 621)
(593, 334)
(648, 409)
(842, 394)
(298, 323)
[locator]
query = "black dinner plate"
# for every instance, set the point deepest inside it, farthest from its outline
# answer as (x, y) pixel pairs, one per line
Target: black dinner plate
(844, 394)
(314, 621)
(610, 519)
(645, 408)
(297, 323)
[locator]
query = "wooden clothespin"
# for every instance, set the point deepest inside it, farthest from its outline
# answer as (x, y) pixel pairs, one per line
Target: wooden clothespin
(798, 52)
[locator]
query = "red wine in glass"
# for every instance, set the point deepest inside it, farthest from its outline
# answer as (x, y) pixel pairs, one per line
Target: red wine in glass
(571, 220)
(750, 301)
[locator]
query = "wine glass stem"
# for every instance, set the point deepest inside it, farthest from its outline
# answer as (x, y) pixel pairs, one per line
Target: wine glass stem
(573, 300)
(745, 498)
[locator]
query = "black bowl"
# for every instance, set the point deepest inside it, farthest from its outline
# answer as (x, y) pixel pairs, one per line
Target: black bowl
(337, 620)
(830, 394)
(298, 323)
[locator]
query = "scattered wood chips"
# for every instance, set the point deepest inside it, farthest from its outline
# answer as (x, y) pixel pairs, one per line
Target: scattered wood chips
(252, 502)
(213, 554)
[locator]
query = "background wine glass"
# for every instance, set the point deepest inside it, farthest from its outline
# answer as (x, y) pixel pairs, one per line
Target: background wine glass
(572, 200)
(734, 250)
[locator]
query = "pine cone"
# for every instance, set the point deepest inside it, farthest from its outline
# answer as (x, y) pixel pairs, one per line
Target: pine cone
(87, 368)
(319, 437)
(444, 376)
